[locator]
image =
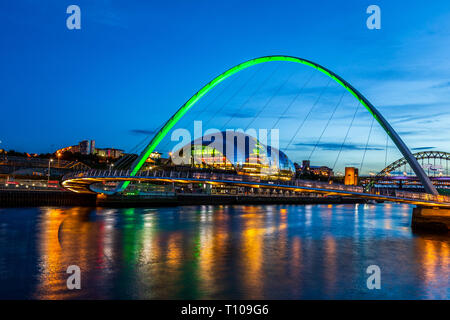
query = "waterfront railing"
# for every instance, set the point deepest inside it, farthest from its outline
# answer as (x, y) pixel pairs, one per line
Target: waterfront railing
(233, 178)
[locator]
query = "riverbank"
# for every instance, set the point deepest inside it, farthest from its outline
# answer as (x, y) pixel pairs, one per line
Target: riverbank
(37, 198)
(31, 198)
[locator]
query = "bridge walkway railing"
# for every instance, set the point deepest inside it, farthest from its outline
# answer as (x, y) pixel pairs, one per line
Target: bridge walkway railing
(212, 177)
(227, 177)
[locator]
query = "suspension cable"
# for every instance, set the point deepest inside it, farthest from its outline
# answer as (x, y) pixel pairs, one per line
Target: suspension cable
(250, 97)
(167, 142)
(233, 95)
(385, 156)
(308, 114)
(270, 99)
(346, 135)
(326, 126)
(295, 99)
(130, 152)
(367, 144)
(225, 88)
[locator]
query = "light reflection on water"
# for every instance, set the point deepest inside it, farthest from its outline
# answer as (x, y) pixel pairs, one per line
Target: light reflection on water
(221, 252)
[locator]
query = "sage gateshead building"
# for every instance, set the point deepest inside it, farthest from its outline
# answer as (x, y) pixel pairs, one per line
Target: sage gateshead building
(235, 151)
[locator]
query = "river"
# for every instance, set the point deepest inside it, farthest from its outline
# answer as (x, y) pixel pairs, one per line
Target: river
(221, 252)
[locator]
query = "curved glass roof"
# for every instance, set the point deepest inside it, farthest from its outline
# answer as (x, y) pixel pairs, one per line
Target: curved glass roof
(236, 149)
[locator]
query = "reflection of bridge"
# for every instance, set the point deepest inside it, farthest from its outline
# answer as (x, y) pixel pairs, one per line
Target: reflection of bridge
(95, 180)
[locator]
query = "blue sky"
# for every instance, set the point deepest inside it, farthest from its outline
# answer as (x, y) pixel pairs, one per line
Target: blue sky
(134, 63)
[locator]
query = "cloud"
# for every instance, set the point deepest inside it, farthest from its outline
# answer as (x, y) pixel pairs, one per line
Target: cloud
(242, 114)
(353, 164)
(424, 91)
(408, 133)
(423, 148)
(332, 146)
(252, 113)
(144, 132)
(442, 85)
(420, 118)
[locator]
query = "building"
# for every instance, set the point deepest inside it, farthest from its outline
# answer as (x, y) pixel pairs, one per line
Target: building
(235, 151)
(351, 176)
(155, 155)
(109, 153)
(87, 147)
(71, 149)
(84, 147)
(306, 164)
(320, 171)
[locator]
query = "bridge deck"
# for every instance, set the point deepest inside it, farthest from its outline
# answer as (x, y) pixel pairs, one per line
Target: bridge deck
(81, 182)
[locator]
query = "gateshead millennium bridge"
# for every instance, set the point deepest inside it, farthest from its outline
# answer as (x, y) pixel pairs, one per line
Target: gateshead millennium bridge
(88, 181)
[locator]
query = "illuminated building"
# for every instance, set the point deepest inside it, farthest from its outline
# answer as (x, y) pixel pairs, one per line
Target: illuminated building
(72, 149)
(109, 153)
(235, 151)
(321, 171)
(155, 155)
(351, 176)
(154, 159)
(306, 165)
(84, 147)
(87, 147)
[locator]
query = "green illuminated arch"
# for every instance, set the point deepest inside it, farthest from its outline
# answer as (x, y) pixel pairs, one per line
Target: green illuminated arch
(138, 163)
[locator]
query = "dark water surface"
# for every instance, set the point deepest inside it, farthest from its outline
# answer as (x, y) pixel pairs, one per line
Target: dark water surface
(221, 252)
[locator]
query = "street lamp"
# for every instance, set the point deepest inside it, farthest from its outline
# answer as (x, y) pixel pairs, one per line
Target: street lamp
(110, 167)
(48, 172)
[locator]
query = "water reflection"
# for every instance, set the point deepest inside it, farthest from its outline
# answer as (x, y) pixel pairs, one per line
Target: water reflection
(435, 261)
(223, 252)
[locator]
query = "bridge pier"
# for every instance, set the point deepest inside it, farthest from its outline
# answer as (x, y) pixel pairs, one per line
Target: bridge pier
(431, 219)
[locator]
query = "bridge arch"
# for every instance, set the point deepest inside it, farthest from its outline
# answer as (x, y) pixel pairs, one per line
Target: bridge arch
(137, 164)
(419, 156)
